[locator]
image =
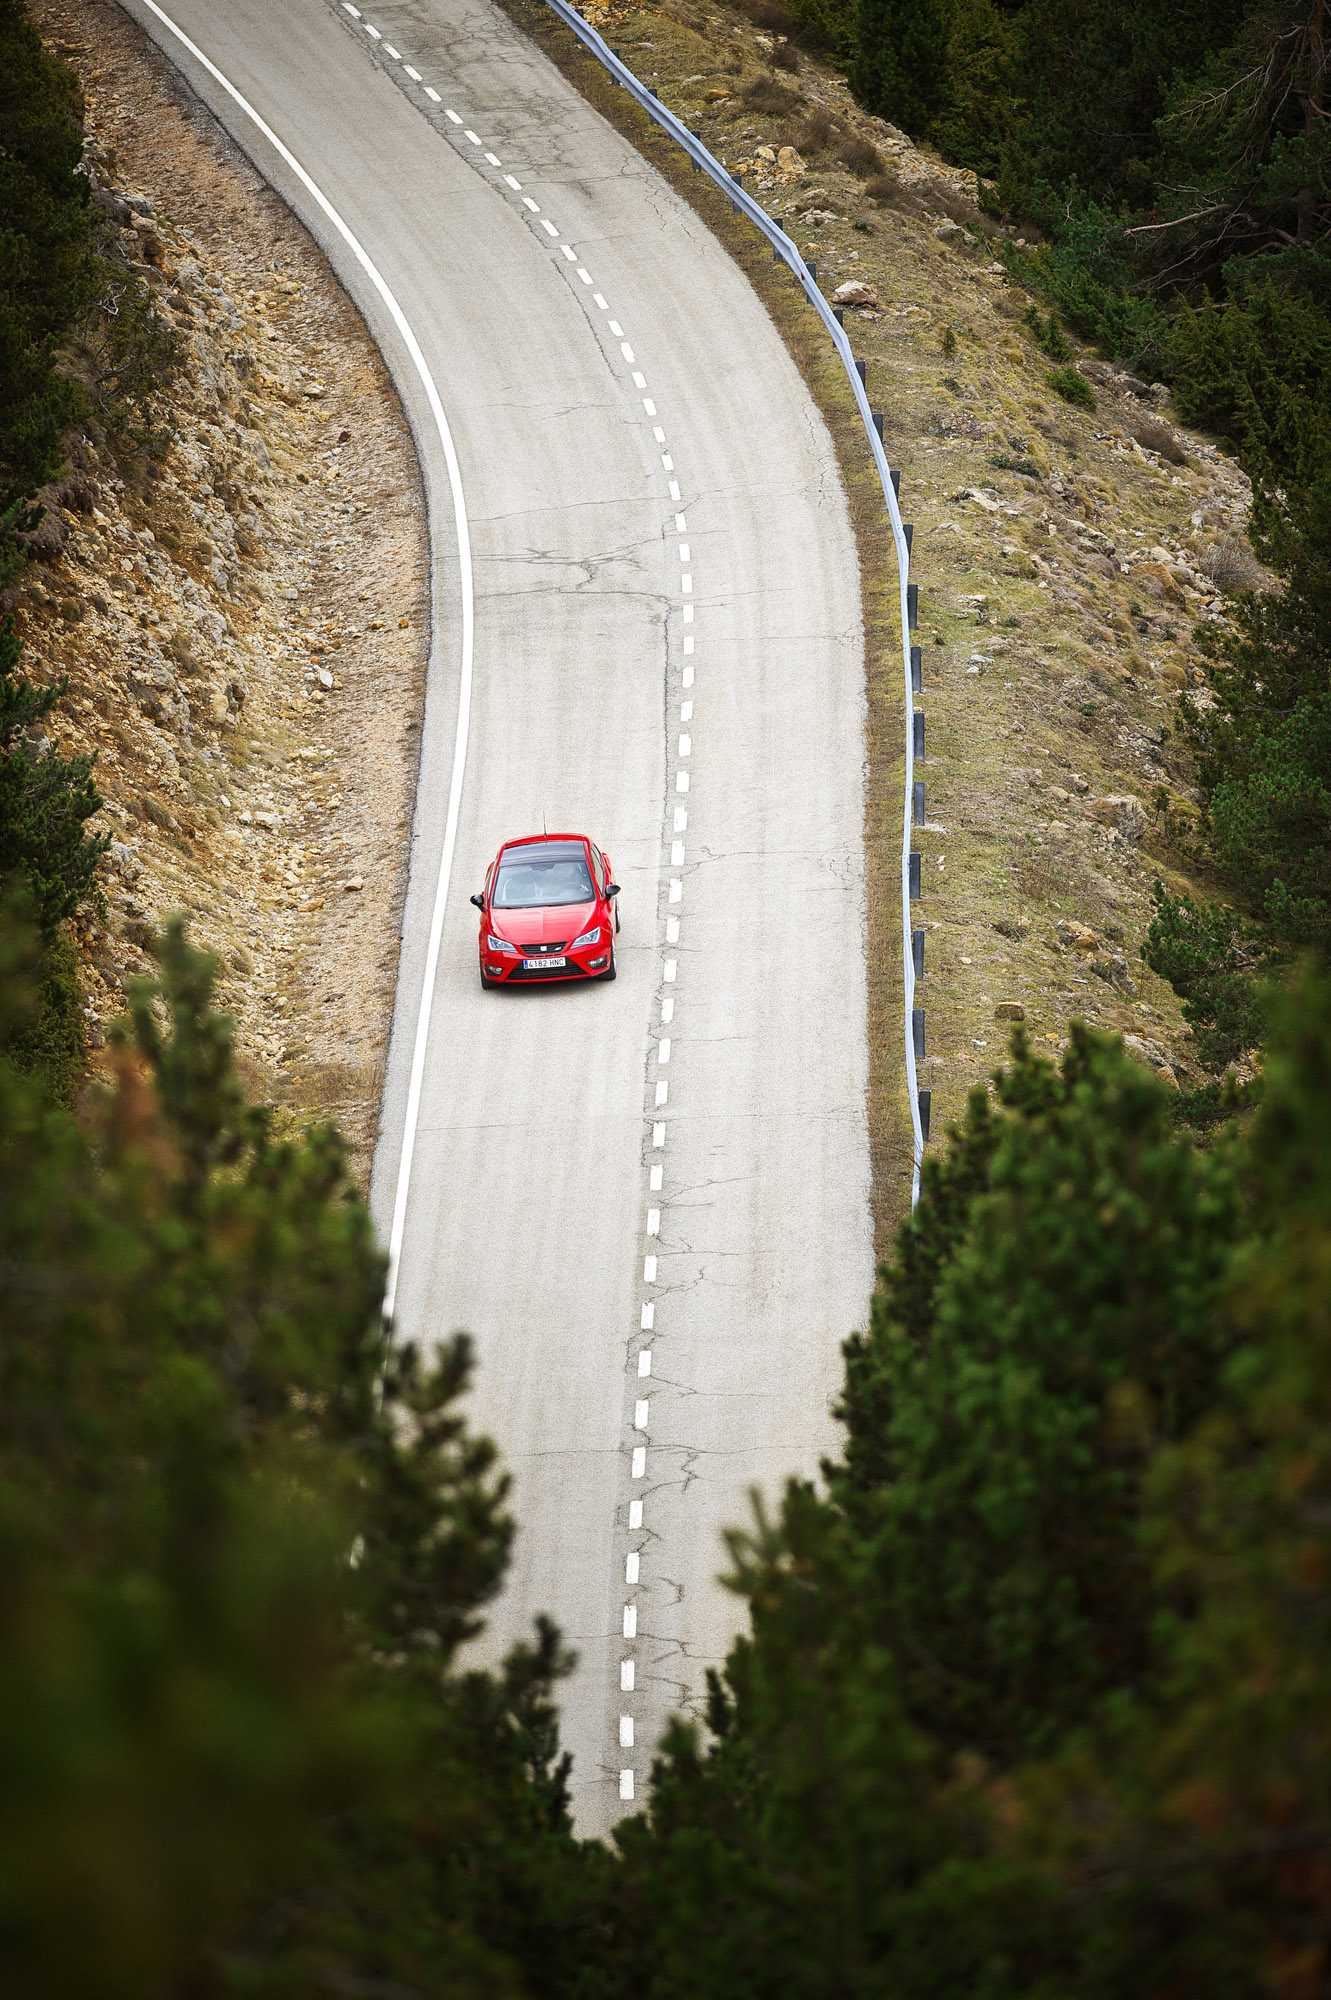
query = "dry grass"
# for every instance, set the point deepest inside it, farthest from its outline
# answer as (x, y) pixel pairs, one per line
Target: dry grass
(766, 94)
(1232, 566)
(1154, 436)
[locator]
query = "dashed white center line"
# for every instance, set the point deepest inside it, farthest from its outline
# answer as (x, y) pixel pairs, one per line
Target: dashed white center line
(353, 11)
(675, 887)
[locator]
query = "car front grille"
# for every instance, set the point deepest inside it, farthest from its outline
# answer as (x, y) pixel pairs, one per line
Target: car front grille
(542, 950)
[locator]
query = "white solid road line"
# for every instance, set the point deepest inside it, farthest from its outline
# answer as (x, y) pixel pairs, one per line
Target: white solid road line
(427, 380)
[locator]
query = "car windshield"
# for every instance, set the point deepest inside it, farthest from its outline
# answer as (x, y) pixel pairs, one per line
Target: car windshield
(532, 878)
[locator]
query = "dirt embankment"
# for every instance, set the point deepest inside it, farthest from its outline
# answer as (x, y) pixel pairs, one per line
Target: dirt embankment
(244, 623)
(1066, 559)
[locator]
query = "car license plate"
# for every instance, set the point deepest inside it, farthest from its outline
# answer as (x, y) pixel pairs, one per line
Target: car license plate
(541, 964)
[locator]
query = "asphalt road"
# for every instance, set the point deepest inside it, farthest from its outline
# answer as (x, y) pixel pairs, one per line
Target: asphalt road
(648, 1201)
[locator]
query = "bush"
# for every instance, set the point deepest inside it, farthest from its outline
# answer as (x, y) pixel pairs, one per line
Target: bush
(1212, 959)
(1072, 387)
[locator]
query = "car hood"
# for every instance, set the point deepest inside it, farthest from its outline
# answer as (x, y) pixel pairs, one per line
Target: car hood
(559, 925)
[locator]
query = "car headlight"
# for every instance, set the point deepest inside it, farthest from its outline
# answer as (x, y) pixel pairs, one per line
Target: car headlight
(592, 936)
(502, 944)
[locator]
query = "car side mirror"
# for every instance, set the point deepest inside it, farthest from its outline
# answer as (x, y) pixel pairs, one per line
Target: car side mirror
(479, 900)
(611, 889)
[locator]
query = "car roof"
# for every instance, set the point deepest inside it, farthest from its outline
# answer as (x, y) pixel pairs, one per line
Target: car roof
(544, 839)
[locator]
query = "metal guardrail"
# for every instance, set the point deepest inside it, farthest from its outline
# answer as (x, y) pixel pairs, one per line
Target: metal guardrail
(913, 801)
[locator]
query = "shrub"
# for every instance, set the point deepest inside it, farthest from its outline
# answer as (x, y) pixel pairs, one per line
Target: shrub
(1072, 387)
(1210, 957)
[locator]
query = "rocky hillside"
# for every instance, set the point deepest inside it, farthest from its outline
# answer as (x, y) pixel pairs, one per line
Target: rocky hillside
(1067, 553)
(242, 616)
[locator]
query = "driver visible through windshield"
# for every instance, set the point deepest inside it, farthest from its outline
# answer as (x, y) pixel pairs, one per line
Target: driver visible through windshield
(533, 878)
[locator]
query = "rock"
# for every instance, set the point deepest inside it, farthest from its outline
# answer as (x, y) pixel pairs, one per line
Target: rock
(1112, 967)
(1009, 1010)
(1153, 1056)
(1079, 783)
(356, 884)
(765, 153)
(1057, 792)
(789, 162)
(141, 206)
(1076, 937)
(717, 96)
(813, 217)
(856, 292)
(111, 205)
(324, 678)
(1124, 813)
(947, 230)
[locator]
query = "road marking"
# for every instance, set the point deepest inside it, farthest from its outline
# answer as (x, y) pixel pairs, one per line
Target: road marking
(453, 116)
(668, 1009)
(353, 11)
(685, 715)
(374, 32)
(493, 161)
(626, 1734)
(676, 890)
(569, 252)
(671, 967)
(667, 461)
(649, 406)
(635, 1513)
(631, 1567)
(686, 584)
(514, 184)
(680, 524)
(631, 1610)
(414, 74)
(434, 97)
(639, 381)
(672, 931)
(626, 1784)
(653, 1222)
(688, 614)
(649, 1270)
(618, 332)
(648, 1317)
(658, 434)
(549, 227)
(467, 133)
(688, 648)
(602, 303)
(626, 1675)
(645, 1361)
(527, 202)
(638, 1470)
(640, 1414)
(463, 536)
(674, 489)
(656, 1178)
(663, 1088)
(389, 50)
(658, 1135)
(584, 274)
(685, 746)
(624, 347)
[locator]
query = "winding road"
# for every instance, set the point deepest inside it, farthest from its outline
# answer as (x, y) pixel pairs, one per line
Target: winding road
(648, 1201)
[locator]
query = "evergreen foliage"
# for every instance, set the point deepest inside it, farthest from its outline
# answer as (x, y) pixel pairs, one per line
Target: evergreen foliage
(242, 1543)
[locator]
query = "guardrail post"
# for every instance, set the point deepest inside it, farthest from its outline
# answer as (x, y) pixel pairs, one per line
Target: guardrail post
(862, 370)
(838, 314)
(917, 952)
(917, 802)
(912, 605)
(811, 265)
(877, 416)
(916, 670)
(896, 480)
(917, 1031)
(919, 735)
(915, 890)
(908, 530)
(925, 1098)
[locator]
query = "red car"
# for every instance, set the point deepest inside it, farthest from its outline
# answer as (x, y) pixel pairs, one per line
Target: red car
(547, 912)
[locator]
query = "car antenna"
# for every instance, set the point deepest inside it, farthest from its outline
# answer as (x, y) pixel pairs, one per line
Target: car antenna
(544, 828)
